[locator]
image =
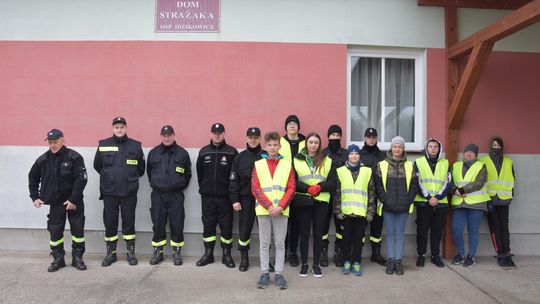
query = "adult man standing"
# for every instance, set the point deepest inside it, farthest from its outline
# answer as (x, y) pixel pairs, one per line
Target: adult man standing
(240, 192)
(370, 156)
(213, 170)
(169, 172)
(339, 157)
(120, 163)
(57, 179)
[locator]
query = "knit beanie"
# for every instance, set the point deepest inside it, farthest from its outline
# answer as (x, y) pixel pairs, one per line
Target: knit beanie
(398, 140)
(471, 148)
(353, 148)
(334, 129)
(294, 118)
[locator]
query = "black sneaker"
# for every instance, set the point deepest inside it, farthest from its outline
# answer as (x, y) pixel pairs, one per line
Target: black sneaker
(436, 260)
(264, 280)
(280, 282)
(469, 261)
(420, 261)
(304, 270)
(501, 261)
(458, 259)
(509, 262)
(317, 271)
(390, 266)
(293, 259)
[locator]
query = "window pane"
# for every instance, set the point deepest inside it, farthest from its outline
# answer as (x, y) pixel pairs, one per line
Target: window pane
(399, 99)
(365, 95)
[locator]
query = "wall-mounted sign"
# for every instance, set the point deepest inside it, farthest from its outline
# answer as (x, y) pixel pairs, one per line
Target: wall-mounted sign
(198, 16)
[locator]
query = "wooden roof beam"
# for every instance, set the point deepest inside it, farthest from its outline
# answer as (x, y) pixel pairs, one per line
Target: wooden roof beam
(509, 24)
(488, 4)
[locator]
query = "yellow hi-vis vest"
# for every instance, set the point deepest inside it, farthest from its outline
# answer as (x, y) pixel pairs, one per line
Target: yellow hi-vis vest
(354, 195)
(408, 177)
(305, 176)
(273, 187)
(499, 184)
(476, 197)
(285, 150)
(432, 182)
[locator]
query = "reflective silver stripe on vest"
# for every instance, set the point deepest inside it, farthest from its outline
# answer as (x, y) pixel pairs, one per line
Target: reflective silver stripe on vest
(314, 176)
(500, 182)
(354, 191)
(432, 180)
(275, 202)
(461, 184)
(479, 192)
(274, 187)
(354, 204)
(500, 192)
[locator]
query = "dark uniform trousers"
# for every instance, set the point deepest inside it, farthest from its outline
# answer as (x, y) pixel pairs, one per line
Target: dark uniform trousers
(168, 205)
(353, 234)
(217, 210)
(375, 229)
(246, 219)
(57, 221)
(498, 227)
(429, 218)
(112, 205)
(337, 223)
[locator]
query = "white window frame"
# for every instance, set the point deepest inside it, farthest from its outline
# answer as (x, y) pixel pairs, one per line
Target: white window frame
(420, 112)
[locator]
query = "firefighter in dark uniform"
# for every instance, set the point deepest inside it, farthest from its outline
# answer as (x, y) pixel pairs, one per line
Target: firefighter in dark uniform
(57, 179)
(370, 156)
(120, 163)
(240, 192)
(339, 156)
(213, 170)
(169, 172)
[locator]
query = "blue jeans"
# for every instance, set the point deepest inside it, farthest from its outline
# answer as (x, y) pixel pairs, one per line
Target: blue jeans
(394, 224)
(472, 218)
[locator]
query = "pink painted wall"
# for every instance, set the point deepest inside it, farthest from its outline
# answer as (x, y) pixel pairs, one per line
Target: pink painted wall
(80, 86)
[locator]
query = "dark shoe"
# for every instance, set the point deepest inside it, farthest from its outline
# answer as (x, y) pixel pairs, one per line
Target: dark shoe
(293, 259)
(77, 260)
(271, 267)
(323, 260)
(207, 258)
(399, 268)
(338, 257)
(420, 261)
(390, 266)
(317, 271)
(110, 257)
(469, 262)
(131, 258)
(436, 260)
(264, 280)
(457, 259)
(303, 271)
(157, 256)
(244, 261)
(227, 259)
(280, 282)
(376, 256)
(509, 262)
(177, 256)
(58, 260)
(501, 261)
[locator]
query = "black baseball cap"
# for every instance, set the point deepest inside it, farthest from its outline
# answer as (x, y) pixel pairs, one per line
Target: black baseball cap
(370, 132)
(217, 128)
(167, 129)
(253, 131)
(119, 120)
(54, 134)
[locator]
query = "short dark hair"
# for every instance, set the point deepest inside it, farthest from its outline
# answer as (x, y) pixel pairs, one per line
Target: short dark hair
(271, 136)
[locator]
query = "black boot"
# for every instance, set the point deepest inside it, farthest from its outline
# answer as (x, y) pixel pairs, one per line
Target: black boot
(376, 256)
(293, 259)
(390, 266)
(177, 256)
(338, 256)
(77, 261)
(227, 259)
(207, 258)
(244, 261)
(58, 259)
(130, 245)
(323, 260)
(111, 254)
(399, 268)
(157, 256)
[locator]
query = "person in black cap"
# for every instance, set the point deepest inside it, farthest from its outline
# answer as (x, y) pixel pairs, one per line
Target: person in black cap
(339, 157)
(291, 143)
(169, 173)
(213, 170)
(371, 155)
(240, 192)
(61, 173)
(119, 160)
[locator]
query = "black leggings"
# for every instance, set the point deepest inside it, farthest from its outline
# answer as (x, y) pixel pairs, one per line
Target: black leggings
(353, 232)
(315, 214)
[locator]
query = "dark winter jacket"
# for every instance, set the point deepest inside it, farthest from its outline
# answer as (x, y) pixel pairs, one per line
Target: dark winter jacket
(213, 169)
(396, 198)
(169, 168)
(57, 178)
(241, 172)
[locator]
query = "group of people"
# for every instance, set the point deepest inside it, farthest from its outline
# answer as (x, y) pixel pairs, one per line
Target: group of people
(292, 187)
